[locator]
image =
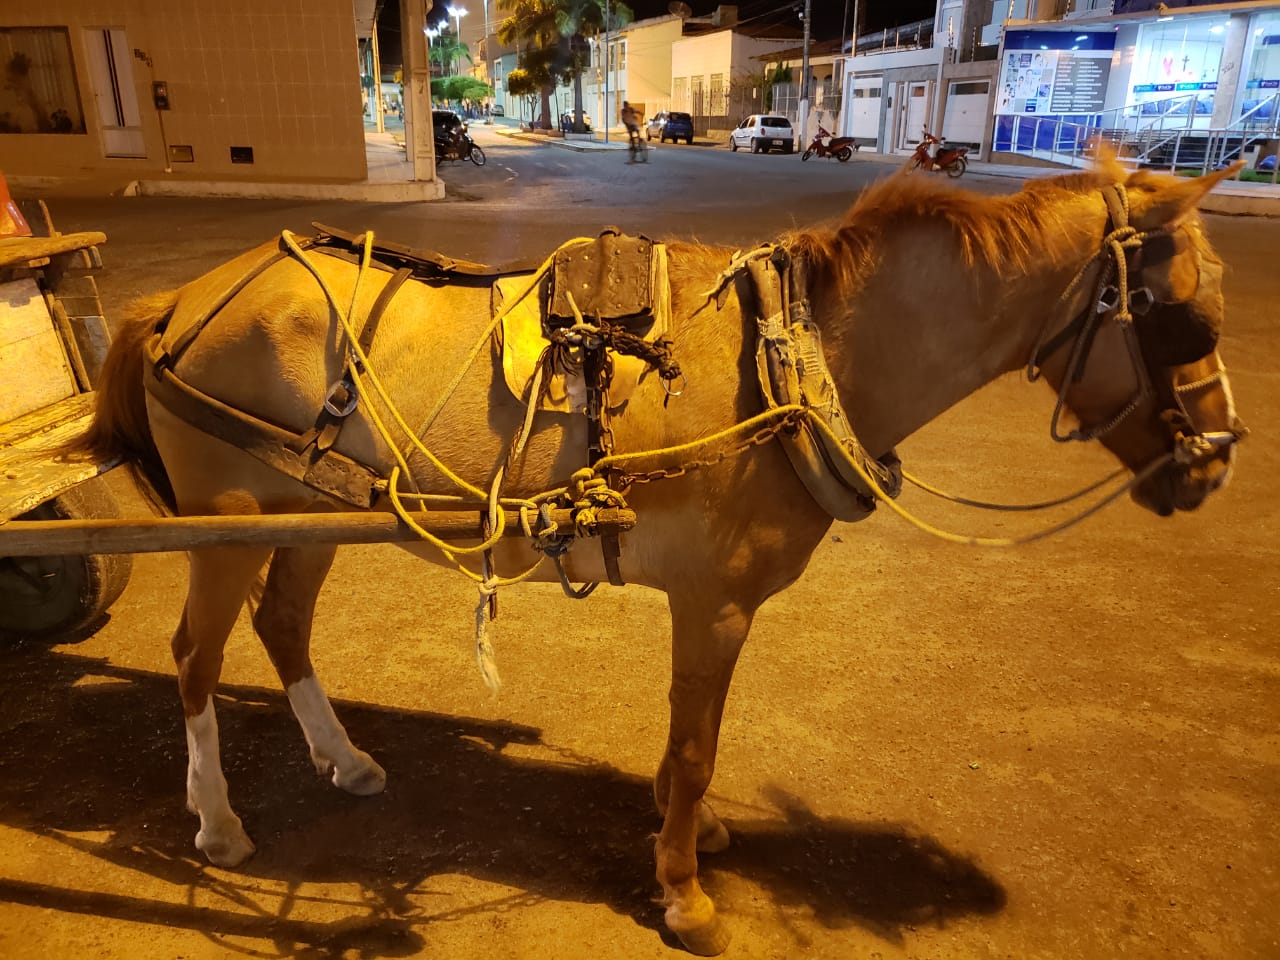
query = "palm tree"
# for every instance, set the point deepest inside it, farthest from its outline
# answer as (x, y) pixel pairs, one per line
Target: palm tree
(531, 26)
(577, 20)
(550, 36)
(447, 51)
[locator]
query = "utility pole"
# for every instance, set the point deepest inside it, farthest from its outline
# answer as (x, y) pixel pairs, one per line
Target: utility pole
(803, 132)
(608, 108)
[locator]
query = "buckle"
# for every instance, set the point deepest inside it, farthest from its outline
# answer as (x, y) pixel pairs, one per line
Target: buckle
(1108, 299)
(341, 406)
(1140, 301)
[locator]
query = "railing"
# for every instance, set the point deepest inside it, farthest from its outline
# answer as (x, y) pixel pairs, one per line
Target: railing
(1140, 129)
(909, 36)
(1260, 122)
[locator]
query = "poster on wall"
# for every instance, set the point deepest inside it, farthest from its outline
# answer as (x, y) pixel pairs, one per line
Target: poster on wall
(1054, 72)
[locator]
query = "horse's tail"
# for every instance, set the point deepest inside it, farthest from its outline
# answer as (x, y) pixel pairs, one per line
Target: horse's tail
(120, 429)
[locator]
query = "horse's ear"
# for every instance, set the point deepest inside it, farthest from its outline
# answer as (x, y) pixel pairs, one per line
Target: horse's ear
(1105, 162)
(1158, 200)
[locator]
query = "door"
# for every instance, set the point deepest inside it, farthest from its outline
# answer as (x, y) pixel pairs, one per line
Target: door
(864, 111)
(114, 94)
(915, 114)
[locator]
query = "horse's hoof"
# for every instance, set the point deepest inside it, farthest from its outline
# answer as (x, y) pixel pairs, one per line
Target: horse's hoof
(364, 780)
(229, 850)
(712, 835)
(709, 938)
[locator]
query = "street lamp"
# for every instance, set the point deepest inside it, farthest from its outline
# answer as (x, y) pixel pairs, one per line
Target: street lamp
(457, 13)
(431, 33)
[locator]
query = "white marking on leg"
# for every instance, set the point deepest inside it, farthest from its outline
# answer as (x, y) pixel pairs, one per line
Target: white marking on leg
(353, 769)
(221, 836)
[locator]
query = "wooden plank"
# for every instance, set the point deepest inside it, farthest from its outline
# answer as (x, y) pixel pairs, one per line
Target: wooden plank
(31, 352)
(31, 472)
(36, 538)
(23, 250)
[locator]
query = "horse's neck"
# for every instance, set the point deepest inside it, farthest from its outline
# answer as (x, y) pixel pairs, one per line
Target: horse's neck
(927, 329)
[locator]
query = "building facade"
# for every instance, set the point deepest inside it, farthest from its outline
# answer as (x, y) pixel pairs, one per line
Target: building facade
(233, 90)
(1042, 77)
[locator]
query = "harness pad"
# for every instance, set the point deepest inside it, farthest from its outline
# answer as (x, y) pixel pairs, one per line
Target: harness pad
(625, 278)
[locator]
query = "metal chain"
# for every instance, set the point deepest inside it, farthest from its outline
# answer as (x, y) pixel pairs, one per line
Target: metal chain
(758, 439)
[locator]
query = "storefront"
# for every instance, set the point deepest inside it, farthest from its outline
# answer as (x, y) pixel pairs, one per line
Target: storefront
(1182, 68)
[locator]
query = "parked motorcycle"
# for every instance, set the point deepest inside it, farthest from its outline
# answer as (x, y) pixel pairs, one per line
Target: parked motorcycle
(825, 145)
(950, 159)
(460, 147)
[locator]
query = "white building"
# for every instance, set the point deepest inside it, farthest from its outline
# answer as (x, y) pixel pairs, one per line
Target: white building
(1164, 81)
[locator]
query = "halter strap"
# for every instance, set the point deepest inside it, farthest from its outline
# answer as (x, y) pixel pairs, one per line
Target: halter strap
(1110, 299)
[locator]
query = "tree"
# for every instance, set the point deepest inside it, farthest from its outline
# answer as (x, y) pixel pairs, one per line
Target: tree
(531, 26)
(447, 51)
(521, 83)
(550, 36)
(459, 88)
(576, 20)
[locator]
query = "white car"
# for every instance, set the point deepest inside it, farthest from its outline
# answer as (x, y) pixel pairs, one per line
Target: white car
(762, 132)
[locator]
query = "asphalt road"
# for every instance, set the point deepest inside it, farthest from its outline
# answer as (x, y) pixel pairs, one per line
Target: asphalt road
(1060, 752)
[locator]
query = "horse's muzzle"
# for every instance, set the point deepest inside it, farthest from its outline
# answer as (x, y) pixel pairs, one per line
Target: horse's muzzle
(1201, 464)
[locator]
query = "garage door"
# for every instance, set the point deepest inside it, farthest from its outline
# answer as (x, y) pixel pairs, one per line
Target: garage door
(968, 106)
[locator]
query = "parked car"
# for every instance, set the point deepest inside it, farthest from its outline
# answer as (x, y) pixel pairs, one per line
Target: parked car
(763, 132)
(672, 125)
(498, 110)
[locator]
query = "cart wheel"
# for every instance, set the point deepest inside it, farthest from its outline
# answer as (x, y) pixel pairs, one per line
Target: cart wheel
(60, 597)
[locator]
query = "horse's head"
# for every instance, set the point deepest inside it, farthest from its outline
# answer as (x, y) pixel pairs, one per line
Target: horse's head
(1138, 366)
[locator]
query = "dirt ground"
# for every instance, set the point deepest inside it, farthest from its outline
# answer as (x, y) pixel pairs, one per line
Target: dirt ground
(1069, 750)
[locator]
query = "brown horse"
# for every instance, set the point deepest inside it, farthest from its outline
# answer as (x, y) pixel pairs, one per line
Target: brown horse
(922, 293)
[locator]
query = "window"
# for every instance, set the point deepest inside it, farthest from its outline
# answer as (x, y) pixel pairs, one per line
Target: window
(970, 88)
(680, 92)
(717, 105)
(38, 93)
(866, 93)
(697, 104)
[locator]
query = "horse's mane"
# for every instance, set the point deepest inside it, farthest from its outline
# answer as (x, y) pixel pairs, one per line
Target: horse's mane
(1002, 233)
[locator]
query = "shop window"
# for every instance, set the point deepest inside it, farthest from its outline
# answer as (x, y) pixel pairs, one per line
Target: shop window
(1263, 80)
(38, 92)
(1180, 58)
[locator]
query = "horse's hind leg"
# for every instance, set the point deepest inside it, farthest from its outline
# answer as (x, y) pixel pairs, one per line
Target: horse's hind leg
(283, 621)
(220, 582)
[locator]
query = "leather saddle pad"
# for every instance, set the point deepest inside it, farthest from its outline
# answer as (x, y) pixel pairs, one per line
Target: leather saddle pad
(523, 341)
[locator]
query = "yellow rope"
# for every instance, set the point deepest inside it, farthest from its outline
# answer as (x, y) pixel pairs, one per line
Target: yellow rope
(401, 470)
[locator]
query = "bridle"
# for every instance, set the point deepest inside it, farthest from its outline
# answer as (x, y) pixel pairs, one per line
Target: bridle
(1114, 299)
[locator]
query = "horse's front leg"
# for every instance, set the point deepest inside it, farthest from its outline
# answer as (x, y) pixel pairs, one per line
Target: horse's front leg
(707, 636)
(220, 582)
(283, 622)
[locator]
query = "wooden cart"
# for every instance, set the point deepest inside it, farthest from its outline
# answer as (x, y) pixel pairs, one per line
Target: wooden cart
(53, 339)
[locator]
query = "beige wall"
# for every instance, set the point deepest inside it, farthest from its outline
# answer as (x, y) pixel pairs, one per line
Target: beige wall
(280, 76)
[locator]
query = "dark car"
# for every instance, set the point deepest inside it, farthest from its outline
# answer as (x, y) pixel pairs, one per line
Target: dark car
(446, 125)
(671, 125)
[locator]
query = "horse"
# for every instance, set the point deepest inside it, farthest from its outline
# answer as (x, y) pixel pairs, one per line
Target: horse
(922, 294)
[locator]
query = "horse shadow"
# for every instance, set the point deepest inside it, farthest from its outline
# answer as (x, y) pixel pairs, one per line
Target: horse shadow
(92, 748)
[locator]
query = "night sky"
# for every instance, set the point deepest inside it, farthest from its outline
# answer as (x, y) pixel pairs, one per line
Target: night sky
(828, 15)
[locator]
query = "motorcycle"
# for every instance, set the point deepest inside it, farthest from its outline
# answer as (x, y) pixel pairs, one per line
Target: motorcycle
(460, 147)
(825, 145)
(949, 159)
